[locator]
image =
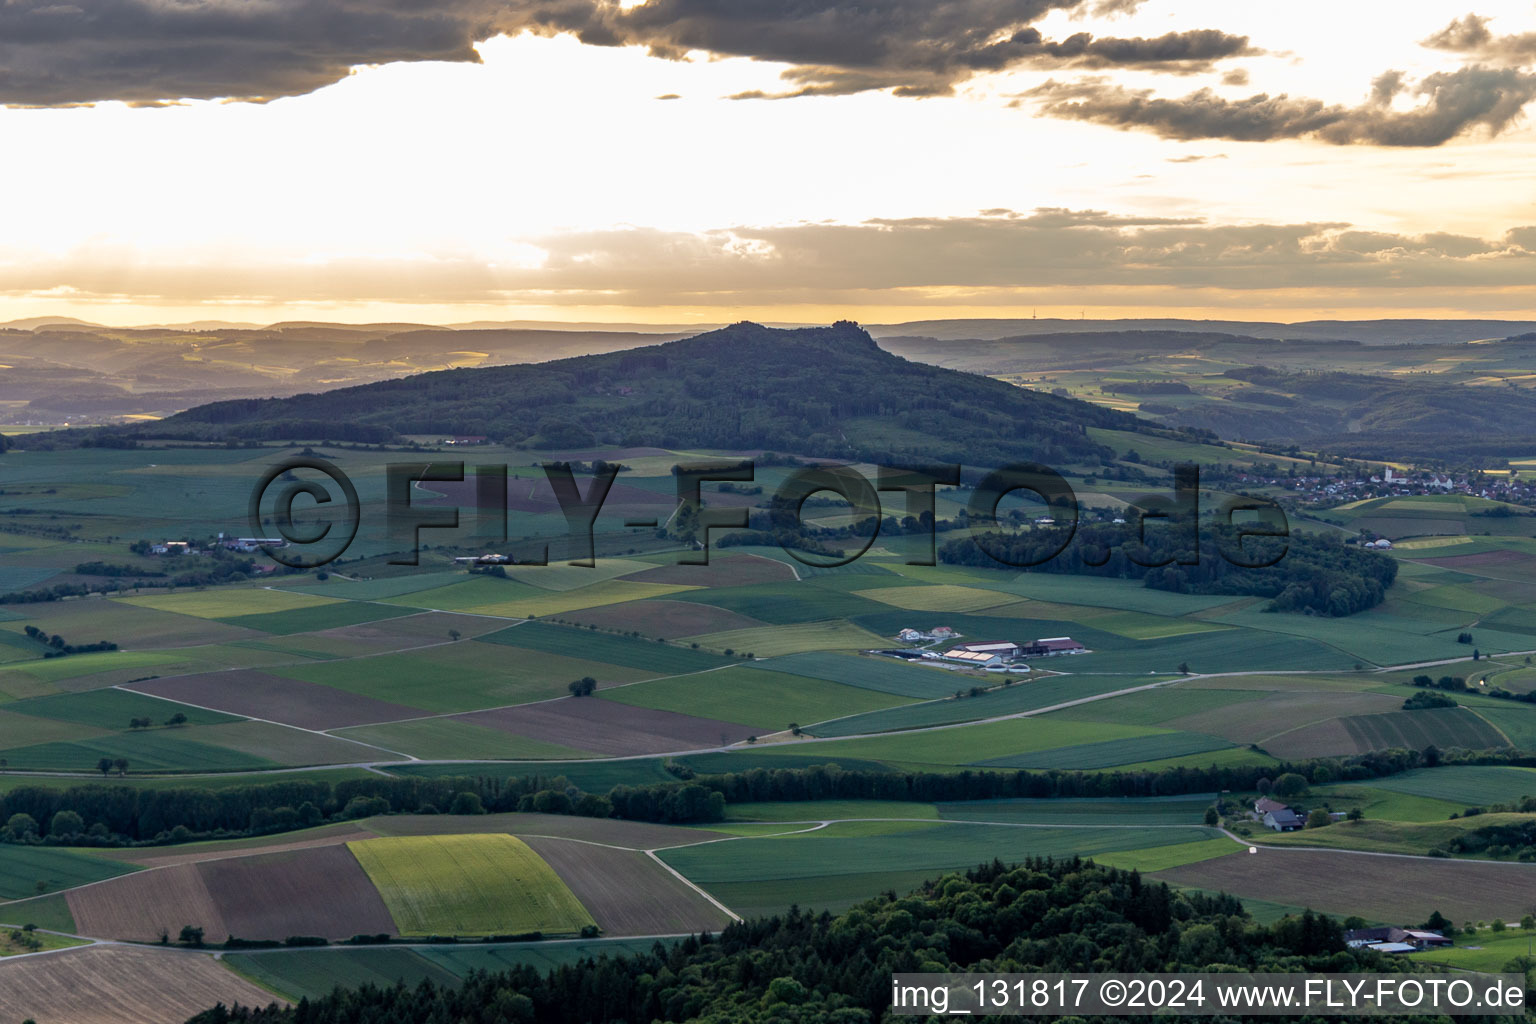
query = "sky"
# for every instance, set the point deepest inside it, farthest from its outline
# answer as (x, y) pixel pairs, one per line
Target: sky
(681, 161)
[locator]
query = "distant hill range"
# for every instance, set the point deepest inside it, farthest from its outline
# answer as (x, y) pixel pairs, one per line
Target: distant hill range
(825, 391)
(1367, 332)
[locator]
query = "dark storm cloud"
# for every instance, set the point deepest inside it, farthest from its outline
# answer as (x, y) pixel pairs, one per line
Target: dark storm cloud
(1450, 104)
(1470, 36)
(150, 51)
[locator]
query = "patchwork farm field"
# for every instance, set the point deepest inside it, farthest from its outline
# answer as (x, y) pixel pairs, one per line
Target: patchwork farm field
(469, 884)
(470, 674)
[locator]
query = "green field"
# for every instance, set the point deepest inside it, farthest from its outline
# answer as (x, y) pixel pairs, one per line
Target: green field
(750, 696)
(113, 709)
(1111, 753)
(648, 657)
(1463, 785)
(888, 675)
(29, 870)
(311, 973)
(1160, 858)
(1158, 810)
(306, 620)
(466, 676)
(435, 738)
(1155, 707)
(222, 603)
(855, 847)
(771, 641)
(467, 885)
(781, 604)
(156, 750)
(1029, 694)
(967, 744)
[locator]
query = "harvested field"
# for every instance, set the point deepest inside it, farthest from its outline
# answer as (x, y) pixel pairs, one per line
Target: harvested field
(663, 618)
(314, 891)
(605, 727)
(321, 891)
(469, 884)
(140, 906)
(722, 571)
(1377, 888)
(259, 695)
(121, 985)
(634, 835)
(627, 892)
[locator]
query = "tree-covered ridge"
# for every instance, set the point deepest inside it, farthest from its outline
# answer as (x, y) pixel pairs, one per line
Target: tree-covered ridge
(1312, 573)
(826, 391)
(799, 968)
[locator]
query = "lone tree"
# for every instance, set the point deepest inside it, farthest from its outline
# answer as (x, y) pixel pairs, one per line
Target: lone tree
(1184, 668)
(121, 764)
(190, 936)
(582, 687)
(1318, 818)
(104, 766)
(177, 719)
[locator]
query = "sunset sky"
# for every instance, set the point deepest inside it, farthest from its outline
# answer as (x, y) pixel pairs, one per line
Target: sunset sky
(790, 160)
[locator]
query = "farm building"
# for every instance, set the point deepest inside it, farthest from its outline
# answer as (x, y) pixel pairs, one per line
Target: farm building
(976, 659)
(1005, 649)
(1413, 938)
(1282, 821)
(467, 439)
(1264, 805)
(1051, 645)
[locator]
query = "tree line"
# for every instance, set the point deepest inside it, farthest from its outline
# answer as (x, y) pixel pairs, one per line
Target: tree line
(1305, 572)
(102, 814)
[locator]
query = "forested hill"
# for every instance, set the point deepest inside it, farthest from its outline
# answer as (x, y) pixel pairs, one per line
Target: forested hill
(804, 968)
(824, 391)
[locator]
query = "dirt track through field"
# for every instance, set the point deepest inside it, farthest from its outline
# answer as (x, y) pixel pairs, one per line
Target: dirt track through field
(119, 985)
